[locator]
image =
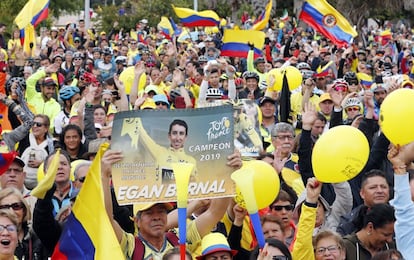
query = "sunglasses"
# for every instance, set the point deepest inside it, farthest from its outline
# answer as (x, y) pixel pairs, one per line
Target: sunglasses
(14, 206)
(280, 207)
(82, 179)
(279, 257)
(349, 109)
(340, 89)
(9, 228)
(37, 124)
(158, 103)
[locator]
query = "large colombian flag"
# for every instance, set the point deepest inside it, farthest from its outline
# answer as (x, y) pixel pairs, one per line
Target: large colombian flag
(191, 18)
(328, 21)
(88, 233)
(235, 43)
(29, 17)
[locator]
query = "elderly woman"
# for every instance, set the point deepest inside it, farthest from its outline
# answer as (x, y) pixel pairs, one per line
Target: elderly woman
(8, 234)
(29, 246)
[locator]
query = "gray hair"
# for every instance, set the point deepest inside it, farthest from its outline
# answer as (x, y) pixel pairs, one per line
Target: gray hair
(282, 128)
(80, 165)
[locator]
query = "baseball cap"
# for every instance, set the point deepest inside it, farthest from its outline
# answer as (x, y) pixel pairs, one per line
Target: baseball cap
(265, 99)
(144, 206)
(19, 161)
(150, 88)
(324, 97)
(49, 82)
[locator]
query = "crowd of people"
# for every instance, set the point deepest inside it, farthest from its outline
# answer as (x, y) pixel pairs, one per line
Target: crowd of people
(67, 93)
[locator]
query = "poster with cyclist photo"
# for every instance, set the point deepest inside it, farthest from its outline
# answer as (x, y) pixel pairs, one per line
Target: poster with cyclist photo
(247, 136)
(153, 140)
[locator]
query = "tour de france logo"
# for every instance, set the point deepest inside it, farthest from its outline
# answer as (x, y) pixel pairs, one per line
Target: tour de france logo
(329, 20)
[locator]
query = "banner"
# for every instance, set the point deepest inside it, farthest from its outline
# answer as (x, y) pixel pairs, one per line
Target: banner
(152, 140)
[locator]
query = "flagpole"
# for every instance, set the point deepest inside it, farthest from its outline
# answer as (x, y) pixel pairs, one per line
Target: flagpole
(87, 16)
(195, 5)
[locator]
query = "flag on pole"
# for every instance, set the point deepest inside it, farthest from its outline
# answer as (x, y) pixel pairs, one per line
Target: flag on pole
(32, 13)
(285, 16)
(263, 19)
(328, 21)
(88, 233)
(191, 18)
(166, 27)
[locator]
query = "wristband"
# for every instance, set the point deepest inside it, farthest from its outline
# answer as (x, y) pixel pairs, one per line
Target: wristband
(311, 205)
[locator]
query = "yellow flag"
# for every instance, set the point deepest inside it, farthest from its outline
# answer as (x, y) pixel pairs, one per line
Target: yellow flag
(47, 182)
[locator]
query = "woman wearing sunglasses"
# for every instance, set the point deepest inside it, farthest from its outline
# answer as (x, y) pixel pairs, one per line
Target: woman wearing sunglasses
(28, 246)
(35, 147)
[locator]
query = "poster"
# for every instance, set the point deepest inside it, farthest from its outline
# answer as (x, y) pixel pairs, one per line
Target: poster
(149, 146)
(247, 119)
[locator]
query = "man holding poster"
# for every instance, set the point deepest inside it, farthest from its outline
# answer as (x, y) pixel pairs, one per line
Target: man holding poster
(203, 137)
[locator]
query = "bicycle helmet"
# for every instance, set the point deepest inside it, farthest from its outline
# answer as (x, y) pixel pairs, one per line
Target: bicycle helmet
(214, 93)
(351, 77)
(263, 84)
(177, 93)
(67, 92)
(340, 84)
(202, 59)
(351, 102)
(251, 75)
(77, 55)
(96, 49)
(107, 51)
(19, 80)
(258, 61)
(89, 78)
(303, 66)
(307, 74)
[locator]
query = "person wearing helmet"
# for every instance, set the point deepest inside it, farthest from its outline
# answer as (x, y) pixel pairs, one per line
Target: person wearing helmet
(69, 95)
(303, 66)
(340, 85)
(353, 108)
(256, 65)
(252, 90)
(353, 83)
(106, 65)
(96, 53)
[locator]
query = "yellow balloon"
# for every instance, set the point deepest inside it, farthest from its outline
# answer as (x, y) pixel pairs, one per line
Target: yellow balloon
(281, 25)
(266, 184)
(396, 116)
(339, 154)
(294, 77)
(277, 75)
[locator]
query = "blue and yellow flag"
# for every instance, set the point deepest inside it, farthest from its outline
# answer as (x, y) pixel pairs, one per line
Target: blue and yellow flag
(235, 43)
(88, 233)
(262, 21)
(328, 21)
(191, 18)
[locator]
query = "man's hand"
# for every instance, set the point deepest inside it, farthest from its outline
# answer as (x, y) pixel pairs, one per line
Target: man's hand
(313, 189)
(234, 160)
(309, 116)
(251, 45)
(110, 157)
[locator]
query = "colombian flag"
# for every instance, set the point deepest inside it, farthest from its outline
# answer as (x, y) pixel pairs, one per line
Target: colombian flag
(328, 21)
(365, 80)
(6, 159)
(32, 13)
(235, 43)
(88, 233)
(191, 18)
(166, 27)
(263, 19)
